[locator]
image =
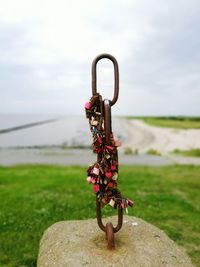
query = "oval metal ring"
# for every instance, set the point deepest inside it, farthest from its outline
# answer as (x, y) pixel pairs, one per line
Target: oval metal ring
(116, 76)
(99, 218)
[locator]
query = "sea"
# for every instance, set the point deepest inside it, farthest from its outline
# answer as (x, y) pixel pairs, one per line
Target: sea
(24, 130)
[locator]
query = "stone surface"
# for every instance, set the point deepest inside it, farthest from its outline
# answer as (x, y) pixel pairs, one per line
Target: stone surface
(82, 243)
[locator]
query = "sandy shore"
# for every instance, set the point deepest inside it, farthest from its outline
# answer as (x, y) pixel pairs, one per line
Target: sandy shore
(143, 137)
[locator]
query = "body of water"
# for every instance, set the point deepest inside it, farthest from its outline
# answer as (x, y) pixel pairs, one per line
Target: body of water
(55, 131)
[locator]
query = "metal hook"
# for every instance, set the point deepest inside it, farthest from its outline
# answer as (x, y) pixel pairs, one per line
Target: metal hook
(116, 76)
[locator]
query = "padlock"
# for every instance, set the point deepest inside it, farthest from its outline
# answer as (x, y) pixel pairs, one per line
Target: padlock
(89, 170)
(99, 140)
(130, 202)
(101, 169)
(95, 171)
(103, 202)
(122, 204)
(94, 130)
(87, 105)
(98, 150)
(115, 176)
(117, 143)
(110, 184)
(89, 179)
(108, 174)
(110, 148)
(126, 210)
(113, 167)
(96, 188)
(94, 122)
(111, 203)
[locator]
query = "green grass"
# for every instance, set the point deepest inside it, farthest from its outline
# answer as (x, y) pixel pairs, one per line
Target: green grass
(188, 153)
(34, 197)
(154, 152)
(172, 122)
(130, 151)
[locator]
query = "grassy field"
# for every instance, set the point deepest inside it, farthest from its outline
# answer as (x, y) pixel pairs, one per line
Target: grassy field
(188, 153)
(172, 122)
(34, 197)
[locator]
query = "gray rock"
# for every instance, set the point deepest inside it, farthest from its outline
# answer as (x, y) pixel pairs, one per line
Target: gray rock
(82, 243)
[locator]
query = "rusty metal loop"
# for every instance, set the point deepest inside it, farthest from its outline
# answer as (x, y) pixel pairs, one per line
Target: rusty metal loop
(98, 213)
(108, 123)
(99, 219)
(116, 76)
(108, 131)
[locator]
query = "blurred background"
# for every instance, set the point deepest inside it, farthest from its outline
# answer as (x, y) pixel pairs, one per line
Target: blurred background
(47, 48)
(46, 51)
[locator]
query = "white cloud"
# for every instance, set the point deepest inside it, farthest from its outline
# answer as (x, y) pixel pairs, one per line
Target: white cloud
(47, 47)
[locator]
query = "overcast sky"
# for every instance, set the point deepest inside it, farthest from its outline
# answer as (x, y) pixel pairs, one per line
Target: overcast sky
(47, 47)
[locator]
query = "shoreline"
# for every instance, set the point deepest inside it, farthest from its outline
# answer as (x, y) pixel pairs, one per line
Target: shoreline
(83, 157)
(67, 141)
